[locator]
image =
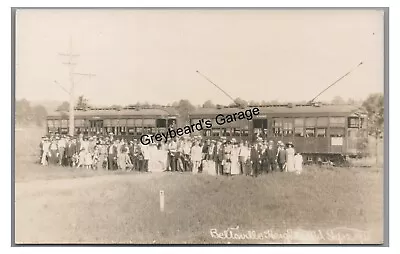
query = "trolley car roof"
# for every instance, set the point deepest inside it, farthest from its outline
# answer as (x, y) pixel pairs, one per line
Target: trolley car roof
(295, 110)
(113, 113)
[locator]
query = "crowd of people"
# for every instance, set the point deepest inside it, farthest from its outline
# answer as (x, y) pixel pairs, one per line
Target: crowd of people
(184, 154)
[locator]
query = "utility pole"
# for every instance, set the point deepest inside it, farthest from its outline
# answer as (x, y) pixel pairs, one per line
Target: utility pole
(71, 66)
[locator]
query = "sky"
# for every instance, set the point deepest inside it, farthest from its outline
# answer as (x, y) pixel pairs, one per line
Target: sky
(152, 55)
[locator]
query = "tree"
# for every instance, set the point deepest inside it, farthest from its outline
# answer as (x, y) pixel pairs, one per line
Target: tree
(374, 105)
(240, 102)
(184, 108)
(208, 104)
(82, 103)
(338, 100)
(23, 112)
(63, 107)
(39, 113)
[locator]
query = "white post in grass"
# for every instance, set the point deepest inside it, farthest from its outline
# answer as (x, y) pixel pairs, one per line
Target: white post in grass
(161, 200)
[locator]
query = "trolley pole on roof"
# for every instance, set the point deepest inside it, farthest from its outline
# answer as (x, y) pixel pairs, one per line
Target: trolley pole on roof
(313, 99)
(230, 97)
(71, 65)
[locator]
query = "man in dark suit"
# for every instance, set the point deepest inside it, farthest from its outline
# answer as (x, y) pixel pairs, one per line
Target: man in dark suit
(256, 158)
(281, 154)
(112, 156)
(70, 150)
(219, 157)
(271, 153)
(132, 153)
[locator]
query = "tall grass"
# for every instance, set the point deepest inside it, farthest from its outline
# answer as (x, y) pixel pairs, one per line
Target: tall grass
(83, 206)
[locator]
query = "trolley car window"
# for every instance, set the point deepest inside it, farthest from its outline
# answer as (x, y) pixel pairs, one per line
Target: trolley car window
(354, 122)
(139, 131)
(310, 132)
(322, 121)
(123, 130)
(171, 122)
(64, 123)
(114, 122)
(122, 122)
(50, 123)
(57, 123)
(260, 123)
(236, 132)
(287, 127)
(299, 127)
(79, 123)
(321, 132)
(299, 132)
(207, 133)
(161, 123)
(245, 133)
(215, 132)
(336, 132)
(150, 130)
(337, 121)
(277, 127)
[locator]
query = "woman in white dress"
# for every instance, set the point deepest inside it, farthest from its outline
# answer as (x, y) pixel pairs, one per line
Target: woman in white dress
(244, 154)
(298, 163)
(88, 159)
(46, 151)
(290, 152)
(83, 152)
(227, 163)
(235, 167)
(195, 154)
(210, 164)
(163, 153)
(154, 165)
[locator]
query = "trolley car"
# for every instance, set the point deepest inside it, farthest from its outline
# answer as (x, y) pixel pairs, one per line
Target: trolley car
(319, 132)
(128, 122)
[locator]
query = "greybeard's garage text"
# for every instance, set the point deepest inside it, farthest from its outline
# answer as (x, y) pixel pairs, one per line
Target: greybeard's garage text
(202, 124)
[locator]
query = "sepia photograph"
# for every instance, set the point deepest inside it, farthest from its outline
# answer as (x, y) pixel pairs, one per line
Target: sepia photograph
(199, 126)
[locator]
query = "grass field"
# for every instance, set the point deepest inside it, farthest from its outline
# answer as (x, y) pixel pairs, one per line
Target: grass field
(62, 205)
